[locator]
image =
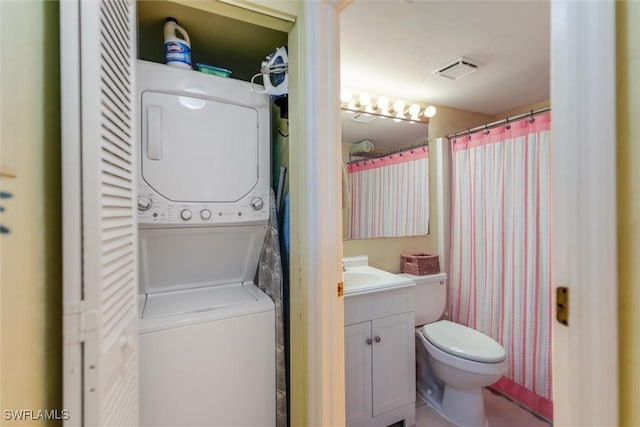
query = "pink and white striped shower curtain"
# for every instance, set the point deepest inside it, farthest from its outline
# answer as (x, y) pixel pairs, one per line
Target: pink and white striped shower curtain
(390, 195)
(500, 272)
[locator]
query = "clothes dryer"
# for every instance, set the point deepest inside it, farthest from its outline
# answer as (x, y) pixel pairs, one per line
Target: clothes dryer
(207, 333)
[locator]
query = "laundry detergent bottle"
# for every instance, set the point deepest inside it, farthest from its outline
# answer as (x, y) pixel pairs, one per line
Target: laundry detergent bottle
(177, 50)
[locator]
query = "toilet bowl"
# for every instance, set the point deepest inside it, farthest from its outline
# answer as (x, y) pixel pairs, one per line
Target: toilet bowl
(461, 377)
(454, 362)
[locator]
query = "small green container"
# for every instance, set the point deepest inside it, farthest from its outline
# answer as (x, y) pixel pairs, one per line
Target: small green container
(210, 69)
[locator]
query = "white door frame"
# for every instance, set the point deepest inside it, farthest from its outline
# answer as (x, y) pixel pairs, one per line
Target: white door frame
(583, 98)
(320, 213)
(72, 210)
(585, 361)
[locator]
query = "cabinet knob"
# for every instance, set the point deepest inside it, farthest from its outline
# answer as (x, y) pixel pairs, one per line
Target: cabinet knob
(369, 341)
(378, 339)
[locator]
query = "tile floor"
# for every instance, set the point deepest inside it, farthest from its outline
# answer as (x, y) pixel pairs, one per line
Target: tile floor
(501, 412)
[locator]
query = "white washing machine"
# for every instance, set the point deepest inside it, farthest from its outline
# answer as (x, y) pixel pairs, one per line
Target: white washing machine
(207, 333)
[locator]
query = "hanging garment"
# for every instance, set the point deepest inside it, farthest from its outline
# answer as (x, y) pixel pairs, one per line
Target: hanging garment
(270, 281)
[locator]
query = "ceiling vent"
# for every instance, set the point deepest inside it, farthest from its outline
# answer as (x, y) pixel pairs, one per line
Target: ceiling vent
(459, 68)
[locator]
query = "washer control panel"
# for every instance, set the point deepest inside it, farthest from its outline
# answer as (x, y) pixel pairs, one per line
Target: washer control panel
(155, 209)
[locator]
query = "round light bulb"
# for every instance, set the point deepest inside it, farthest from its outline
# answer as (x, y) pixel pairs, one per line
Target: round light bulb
(364, 99)
(345, 95)
(430, 111)
(414, 109)
(383, 103)
(398, 108)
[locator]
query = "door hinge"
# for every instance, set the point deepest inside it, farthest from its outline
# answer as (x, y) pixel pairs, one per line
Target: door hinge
(340, 289)
(562, 305)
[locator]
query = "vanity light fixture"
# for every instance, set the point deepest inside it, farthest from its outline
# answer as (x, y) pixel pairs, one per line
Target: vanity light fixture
(383, 107)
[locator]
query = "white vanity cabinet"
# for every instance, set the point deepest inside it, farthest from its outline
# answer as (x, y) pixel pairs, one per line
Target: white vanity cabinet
(380, 358)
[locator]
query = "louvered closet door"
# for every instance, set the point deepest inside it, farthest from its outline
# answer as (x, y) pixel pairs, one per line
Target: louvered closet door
(105, 307)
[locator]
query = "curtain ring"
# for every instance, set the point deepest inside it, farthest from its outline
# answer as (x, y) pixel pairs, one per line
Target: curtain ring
(469, 134)
(508, 125)
(424, 148)
(531, 118)
(411, 148)
(486, 130)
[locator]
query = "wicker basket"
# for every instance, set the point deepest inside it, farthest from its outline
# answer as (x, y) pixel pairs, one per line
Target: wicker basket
(420, 264)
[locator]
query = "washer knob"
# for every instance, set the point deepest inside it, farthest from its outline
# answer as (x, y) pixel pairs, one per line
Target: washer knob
(257, 203)
(144, 203)
(205, 214)
(185, 214)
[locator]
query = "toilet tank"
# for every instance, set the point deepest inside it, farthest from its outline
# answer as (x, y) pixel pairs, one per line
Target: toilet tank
(430, 297)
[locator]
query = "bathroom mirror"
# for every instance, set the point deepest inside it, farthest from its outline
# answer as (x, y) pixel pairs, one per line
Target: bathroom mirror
(389, 136)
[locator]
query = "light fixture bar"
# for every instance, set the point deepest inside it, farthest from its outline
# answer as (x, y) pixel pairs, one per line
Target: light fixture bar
(382, 106)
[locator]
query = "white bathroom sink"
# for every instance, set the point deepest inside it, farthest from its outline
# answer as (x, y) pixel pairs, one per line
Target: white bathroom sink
(366, 279)
(357, 279)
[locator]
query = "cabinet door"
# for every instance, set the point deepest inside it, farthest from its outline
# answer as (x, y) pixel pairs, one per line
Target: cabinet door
(357, 372)
(394, 374)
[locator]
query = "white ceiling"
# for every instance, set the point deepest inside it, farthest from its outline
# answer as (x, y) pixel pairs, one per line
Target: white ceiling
(391, 47)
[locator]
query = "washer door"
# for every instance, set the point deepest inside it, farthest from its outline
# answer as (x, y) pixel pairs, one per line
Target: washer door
(196, 149)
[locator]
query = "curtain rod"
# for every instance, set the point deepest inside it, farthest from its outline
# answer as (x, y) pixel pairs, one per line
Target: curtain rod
(388, 153)
(530, 114)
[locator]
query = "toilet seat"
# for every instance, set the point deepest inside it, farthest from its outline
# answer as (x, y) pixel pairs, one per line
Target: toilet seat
(463, 342)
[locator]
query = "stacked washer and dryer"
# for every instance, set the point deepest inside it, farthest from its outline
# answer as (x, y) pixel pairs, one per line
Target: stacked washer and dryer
(207, 333)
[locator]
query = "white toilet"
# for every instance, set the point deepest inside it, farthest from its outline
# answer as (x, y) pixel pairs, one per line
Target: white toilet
(454, 362)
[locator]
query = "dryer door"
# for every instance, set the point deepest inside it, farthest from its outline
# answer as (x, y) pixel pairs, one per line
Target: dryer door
(196, 149)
